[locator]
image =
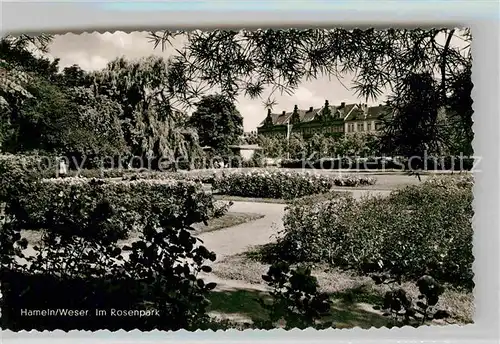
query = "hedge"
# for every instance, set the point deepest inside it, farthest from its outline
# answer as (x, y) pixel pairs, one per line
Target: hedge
(65, 204)
(282, 185)
(416, 230)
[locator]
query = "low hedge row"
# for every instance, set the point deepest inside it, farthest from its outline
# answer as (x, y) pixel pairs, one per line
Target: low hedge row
(284, 185)
(416, 230)
(433, 163)
(66, 204)
(200, 177)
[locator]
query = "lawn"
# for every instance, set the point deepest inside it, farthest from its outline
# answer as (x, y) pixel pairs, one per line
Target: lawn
(230, 219)
(353, 295)
(219, 197)
(242, 306)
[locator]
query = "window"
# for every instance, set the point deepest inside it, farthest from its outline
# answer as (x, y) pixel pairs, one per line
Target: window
(368, 127)
(360, 126)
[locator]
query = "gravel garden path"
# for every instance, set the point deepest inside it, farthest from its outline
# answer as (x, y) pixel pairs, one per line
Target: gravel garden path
(240, 238)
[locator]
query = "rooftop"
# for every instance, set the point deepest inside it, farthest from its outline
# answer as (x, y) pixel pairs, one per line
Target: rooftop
(343, 111)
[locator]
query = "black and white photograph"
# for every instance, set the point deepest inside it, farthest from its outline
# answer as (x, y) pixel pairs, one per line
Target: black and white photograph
(237, 179)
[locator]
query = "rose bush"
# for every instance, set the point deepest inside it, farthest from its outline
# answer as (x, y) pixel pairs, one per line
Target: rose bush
(61, 204)
(280, 184)
(416, 230)
(80, 252)
(205, 177)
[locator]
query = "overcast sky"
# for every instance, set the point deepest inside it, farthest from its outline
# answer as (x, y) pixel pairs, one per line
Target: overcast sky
(93, 51)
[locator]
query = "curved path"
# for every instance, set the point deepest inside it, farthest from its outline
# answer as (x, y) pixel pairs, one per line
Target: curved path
(240, 238)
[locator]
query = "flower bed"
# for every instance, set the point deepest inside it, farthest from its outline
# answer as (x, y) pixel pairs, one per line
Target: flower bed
(416, 230)
(64, 204)
(285, 185)
(200, 177)
(84, 219)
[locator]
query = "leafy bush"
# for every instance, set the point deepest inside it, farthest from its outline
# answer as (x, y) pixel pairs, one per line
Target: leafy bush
(62, 204)
(18, 173)
(278, 184)
(403, 309)
(157, 272)
(200, 177)
(417, 230)
(295, 297)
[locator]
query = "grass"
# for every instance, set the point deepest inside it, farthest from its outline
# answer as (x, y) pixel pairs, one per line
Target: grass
(230, 219)
(219, 197)
(351, 292)
(239, 302)
(243, 305)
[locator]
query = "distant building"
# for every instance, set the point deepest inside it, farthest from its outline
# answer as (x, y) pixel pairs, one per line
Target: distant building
(365, 119)
(328, 120)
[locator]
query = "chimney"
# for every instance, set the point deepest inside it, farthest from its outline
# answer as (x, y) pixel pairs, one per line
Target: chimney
(311, 109)
(283, 113)
(342, 104)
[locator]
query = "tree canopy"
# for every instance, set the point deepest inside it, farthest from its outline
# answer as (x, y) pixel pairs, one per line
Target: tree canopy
(261, 63)
(141, 98)
(218, 122)
(123, 109)
(247, 62)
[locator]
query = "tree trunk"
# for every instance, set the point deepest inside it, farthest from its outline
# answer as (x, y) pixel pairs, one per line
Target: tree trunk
(443, 65)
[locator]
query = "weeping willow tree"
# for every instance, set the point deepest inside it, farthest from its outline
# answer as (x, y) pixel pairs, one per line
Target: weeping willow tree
(152, 127)
(122, 109)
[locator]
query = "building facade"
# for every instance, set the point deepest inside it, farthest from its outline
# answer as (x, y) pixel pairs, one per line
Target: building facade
(328, 120)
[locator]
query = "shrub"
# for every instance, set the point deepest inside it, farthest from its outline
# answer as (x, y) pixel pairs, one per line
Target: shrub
(295, 297)
(417, 230)
(446, 163)
(62, 204)
(403, 310)
(278, 184)
(205, 177)
(160, 271)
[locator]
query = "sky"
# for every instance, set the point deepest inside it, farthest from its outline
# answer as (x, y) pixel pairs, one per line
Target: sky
(92, 51)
